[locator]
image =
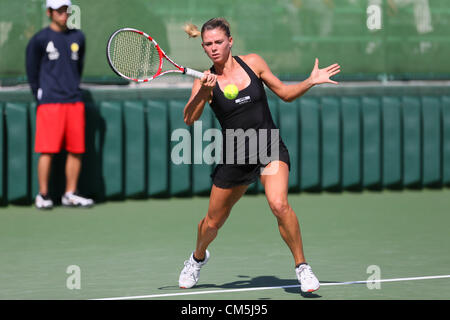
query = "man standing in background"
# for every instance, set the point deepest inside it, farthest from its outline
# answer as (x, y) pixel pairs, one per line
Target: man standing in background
(54, 63)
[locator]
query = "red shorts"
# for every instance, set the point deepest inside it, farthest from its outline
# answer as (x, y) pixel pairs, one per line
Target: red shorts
(60, 125)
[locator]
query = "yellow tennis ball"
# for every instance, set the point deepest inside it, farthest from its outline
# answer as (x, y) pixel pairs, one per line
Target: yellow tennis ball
(231, 91)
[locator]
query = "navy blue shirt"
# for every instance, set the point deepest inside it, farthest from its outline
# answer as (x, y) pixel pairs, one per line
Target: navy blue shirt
(54, 63)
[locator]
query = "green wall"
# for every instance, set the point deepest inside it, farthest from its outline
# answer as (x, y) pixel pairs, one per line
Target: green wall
(339, 138)
(412, 41)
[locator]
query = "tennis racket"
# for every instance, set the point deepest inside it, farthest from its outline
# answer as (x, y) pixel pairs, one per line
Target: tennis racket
(136, 56)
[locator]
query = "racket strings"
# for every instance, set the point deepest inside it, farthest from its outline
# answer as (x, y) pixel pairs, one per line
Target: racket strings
(134, 55)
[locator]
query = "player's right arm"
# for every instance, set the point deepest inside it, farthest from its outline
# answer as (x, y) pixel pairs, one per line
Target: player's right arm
(201, 94)
(34, 54)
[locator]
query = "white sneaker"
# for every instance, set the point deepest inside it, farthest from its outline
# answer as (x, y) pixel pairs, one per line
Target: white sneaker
(191, 271)
(307, 279)
(43, 202)
(70, 199)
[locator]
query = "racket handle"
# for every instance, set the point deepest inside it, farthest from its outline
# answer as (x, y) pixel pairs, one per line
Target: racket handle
(193, 73)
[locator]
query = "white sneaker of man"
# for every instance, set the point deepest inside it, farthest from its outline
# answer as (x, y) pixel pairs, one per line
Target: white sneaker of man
(43, 202)
(70, 199)
(191, 271)
(308, 281)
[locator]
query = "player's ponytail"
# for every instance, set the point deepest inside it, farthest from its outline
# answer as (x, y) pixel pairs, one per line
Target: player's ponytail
(191, 30)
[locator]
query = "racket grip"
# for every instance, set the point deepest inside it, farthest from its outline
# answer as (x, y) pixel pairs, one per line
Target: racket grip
(193, 73)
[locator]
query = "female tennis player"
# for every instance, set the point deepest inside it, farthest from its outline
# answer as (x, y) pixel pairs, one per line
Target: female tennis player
(249, 110)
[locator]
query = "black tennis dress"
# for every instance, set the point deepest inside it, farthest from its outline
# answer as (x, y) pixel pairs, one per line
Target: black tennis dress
(248, 134)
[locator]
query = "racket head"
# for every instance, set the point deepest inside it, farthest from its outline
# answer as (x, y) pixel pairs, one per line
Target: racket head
(135, 56)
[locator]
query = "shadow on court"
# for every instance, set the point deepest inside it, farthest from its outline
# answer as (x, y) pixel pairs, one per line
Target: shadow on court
(288, 285)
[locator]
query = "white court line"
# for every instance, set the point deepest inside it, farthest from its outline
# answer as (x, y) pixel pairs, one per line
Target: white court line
(270, 288)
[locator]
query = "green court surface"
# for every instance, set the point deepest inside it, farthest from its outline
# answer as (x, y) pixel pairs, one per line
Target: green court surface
(136, 249)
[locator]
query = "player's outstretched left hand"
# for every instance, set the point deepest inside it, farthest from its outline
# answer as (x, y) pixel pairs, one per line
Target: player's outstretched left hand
(319, 76)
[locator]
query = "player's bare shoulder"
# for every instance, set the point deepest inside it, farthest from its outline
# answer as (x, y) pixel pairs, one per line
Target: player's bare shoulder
(252, 59)
(255, 62)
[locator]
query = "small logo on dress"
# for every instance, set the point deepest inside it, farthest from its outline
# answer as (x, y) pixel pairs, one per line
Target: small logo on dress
(75, 48)
(243, 100)
(53, 53)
